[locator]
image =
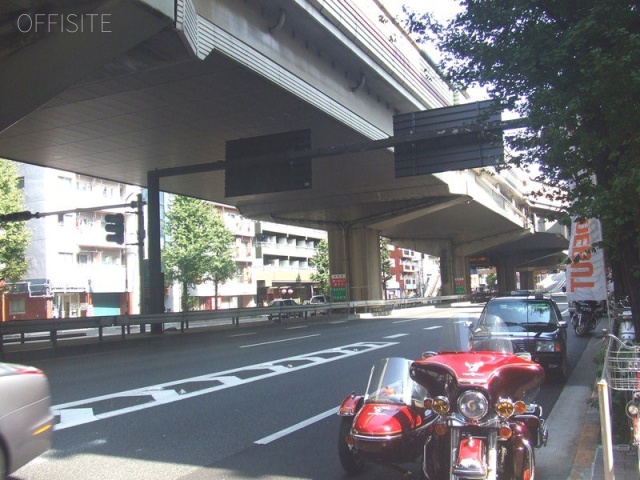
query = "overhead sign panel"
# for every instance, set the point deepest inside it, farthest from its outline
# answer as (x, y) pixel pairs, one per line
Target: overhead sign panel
(449, 138)
(261, 164)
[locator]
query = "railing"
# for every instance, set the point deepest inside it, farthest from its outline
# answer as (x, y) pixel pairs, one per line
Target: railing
(52, 327)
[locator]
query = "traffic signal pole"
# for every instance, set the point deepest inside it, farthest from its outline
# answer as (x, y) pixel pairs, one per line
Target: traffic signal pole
(27, 215)
(115, 228)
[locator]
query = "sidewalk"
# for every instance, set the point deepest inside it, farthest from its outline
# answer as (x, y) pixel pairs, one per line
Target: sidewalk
(588, 463)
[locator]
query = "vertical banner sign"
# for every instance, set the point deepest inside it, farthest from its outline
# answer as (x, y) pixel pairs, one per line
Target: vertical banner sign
(586, 277)
(339, 287)
(459, 286)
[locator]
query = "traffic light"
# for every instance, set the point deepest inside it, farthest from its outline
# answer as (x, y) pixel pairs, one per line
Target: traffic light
(115, 227)
(18, 216)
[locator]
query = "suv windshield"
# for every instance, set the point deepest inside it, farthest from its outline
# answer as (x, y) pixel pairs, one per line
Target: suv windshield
(518, 315)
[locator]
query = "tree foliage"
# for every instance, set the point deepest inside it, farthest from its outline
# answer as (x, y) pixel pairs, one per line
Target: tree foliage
(14, 236)
(321, 262)
(571, 68)
(385, 265)
(198, 248)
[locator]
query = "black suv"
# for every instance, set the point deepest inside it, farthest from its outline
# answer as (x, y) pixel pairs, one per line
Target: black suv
(533, 323)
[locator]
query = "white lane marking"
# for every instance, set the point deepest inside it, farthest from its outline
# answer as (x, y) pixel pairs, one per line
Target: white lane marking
(435, 327)
(242, 334)
(72, 414)
(279, 341)
(297, 327)
(77, 416)
(397, 335)
(297, 426)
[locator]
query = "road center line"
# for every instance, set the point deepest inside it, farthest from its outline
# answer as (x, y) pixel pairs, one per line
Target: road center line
(297, 426)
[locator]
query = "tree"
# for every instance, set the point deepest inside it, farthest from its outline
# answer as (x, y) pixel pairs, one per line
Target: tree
(199, 247)
(14, 236)
(385, 265)
(570, 68)
(321, 261)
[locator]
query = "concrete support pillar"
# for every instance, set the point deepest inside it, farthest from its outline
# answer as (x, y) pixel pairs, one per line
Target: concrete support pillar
(527, 280)
(446, 272)
(506, 273)
(355, 252)
(461, 275)
(454, 272)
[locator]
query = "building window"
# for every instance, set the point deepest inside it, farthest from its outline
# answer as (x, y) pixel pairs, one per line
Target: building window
(84, 258)
(65, 182)
(17, 306)
(65, 219)
(20, 183)
(110, 259)
(66, 258)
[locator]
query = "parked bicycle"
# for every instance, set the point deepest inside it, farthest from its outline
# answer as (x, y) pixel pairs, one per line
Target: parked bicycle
(622, 368)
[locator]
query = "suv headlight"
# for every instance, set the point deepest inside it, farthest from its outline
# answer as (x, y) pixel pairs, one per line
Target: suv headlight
(545, 346)
(473, 405)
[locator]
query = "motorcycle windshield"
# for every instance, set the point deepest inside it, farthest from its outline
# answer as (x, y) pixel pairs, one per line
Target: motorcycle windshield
(390, 383)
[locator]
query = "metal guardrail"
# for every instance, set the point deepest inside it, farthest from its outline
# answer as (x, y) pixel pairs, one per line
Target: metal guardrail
(53, 326)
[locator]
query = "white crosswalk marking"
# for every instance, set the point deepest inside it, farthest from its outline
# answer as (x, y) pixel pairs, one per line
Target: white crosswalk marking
(80, 412)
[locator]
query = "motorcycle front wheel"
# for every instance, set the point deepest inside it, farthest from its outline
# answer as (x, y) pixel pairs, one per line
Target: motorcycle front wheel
(580, 326)
(351, 461)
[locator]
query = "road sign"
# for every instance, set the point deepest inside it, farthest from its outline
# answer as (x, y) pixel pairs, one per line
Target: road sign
(471, 137)
(339, 287)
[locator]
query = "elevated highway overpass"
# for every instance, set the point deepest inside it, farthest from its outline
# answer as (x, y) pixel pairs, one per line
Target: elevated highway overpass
(153, 91)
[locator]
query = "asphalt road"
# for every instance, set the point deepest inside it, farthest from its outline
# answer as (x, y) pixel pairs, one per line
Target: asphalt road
(236, 404)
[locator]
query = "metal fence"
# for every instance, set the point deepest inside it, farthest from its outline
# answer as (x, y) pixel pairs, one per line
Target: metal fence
(52, 328)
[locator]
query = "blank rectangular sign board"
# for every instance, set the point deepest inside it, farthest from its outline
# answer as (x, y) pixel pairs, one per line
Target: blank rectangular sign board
(457, 141)
(260, 164)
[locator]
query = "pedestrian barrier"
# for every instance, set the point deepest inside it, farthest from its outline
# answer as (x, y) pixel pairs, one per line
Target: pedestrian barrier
(51, 328)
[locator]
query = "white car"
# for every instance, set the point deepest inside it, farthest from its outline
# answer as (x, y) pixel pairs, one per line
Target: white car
(319, 299)
(26, 421)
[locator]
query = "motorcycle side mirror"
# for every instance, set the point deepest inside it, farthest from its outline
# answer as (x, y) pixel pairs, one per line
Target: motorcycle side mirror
(429, 354)
(468, 324)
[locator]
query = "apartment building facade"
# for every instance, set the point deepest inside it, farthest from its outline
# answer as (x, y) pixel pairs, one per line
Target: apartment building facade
(414, 274)
(283, 255)
(74, 271)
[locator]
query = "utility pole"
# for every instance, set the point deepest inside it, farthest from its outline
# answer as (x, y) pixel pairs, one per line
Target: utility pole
(141, 235)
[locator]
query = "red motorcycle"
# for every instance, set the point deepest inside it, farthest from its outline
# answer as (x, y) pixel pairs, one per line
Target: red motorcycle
(484, 426)
(461, 415)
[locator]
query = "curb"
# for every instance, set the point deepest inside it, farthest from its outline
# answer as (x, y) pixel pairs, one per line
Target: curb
(588, 443)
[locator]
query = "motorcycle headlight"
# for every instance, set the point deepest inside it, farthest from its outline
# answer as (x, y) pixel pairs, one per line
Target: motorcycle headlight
(632, 409)
(545, 346)
(473, 405)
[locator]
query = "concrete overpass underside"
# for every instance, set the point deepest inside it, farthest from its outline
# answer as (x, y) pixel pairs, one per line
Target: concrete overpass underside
(143, 99)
